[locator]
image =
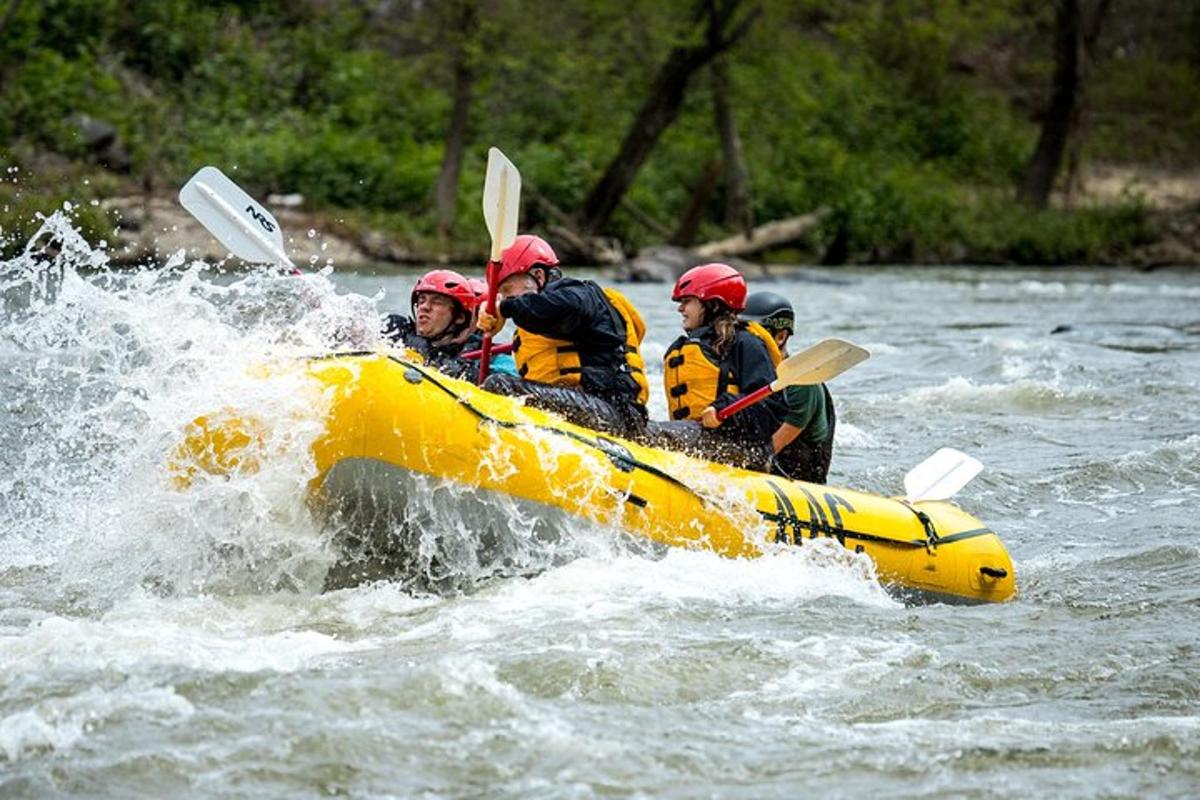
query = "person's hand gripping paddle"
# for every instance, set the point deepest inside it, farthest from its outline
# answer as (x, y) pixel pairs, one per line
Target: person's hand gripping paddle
(501, 203)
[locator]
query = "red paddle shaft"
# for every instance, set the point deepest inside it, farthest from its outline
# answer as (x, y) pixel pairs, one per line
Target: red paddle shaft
(485, 356)
(749, 400)
(497, 349)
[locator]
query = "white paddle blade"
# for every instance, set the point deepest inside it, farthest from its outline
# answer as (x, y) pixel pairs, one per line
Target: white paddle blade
(501, 201)
(234, 218)
(819, 363)
(940, 476)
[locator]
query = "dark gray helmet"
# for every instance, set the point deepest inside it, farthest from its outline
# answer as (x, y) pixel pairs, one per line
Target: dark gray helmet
(771, 310)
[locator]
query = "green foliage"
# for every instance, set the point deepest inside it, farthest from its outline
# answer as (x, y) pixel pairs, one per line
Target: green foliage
(48, 86)
(908, 119)
(22, 213)
(1003, 231)
(1161, 101)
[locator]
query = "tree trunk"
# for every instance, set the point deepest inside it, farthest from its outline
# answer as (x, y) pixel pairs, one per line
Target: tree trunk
(1073, 39)
(689, 223)
(13, 7)
(445, 192)
(9, 14)
(661, 108)
(738, 214)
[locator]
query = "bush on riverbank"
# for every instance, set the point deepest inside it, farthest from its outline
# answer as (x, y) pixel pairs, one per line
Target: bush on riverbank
(908, 120)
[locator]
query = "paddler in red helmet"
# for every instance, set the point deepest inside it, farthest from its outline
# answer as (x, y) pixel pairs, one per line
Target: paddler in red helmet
(441, 327)
(576, 345)
(716, 360)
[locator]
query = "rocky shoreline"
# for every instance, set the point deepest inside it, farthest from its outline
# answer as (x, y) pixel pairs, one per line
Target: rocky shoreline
(153, 227)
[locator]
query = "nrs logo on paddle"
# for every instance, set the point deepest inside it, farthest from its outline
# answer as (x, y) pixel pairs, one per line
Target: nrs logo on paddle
(260, 218)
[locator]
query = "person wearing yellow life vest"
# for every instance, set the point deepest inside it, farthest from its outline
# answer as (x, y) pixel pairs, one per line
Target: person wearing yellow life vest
(716, 360)
(576, 345)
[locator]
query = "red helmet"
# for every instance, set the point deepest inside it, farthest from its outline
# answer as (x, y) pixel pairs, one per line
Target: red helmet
(525, 253)
(479, 287)
(448, 283)
(712, 282)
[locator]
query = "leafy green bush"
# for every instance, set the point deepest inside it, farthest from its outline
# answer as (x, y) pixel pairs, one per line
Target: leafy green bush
(1009, 232)
(895, 114)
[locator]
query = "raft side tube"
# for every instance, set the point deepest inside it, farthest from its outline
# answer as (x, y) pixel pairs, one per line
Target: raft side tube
(401, 413)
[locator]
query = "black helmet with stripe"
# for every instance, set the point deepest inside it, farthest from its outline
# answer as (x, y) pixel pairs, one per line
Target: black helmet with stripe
(771, 310)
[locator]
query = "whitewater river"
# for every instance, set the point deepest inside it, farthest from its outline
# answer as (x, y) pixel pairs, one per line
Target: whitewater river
(158, 642)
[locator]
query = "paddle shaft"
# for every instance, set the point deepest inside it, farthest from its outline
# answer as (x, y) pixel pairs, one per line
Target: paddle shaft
(815, 365)
(497, 349)
(485, 354)
(749, 400)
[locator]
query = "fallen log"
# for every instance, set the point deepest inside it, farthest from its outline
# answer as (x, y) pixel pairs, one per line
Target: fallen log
(570, 244)
(764, 237)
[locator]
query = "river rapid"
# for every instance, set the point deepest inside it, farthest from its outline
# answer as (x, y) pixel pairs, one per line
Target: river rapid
(158, 642)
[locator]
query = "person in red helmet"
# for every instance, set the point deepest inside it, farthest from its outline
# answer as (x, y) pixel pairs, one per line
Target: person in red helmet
(576, 345)
(442, 323)
(479, 287)
(717, 359)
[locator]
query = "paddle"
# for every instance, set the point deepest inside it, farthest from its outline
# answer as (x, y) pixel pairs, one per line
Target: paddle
(501, 203)
(940, 476)
(817, 364)
(497, 349)
(234, 218)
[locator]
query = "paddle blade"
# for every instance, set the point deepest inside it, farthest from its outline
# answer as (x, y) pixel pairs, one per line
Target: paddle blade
(940, 476)
(234, 218)
(819, 363)
(501, 201)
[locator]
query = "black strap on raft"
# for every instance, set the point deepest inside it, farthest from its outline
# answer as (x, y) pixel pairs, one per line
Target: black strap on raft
(932, 540)
(625, 461)
(620, 455)
(817, 525)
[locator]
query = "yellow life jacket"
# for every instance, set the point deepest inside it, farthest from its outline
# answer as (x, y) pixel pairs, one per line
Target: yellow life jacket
(556, 361)
(694, 376)
(767, 339)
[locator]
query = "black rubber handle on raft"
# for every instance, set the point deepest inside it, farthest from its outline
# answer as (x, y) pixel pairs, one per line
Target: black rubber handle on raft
(994, 572)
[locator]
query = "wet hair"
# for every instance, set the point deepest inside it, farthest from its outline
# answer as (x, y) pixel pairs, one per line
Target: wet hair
(723, 321)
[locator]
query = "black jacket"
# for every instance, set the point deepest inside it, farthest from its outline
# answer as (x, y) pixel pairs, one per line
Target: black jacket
(446, 358)
(748, 360)
(578, 312)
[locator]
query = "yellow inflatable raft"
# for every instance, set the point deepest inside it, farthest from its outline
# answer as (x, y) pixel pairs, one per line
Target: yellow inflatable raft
(400, 417)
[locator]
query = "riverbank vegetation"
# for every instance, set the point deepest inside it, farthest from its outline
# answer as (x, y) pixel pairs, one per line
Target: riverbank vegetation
(913, 125)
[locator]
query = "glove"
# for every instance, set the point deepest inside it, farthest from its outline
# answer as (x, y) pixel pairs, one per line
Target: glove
(489, 324)
(708, 418)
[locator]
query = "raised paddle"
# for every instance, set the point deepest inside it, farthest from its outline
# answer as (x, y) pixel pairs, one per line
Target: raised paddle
(234, 218)
(501, 203)
(940, 476)
(817, 364)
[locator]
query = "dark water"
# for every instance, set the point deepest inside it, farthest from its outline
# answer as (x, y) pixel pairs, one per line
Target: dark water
(164, 643)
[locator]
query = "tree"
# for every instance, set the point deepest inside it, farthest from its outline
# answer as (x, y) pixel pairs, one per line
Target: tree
(724, 26)
(738, 213)
(1074, 39)
(462, 30)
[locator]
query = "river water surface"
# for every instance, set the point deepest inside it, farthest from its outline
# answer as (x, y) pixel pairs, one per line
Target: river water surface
(155, 642)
